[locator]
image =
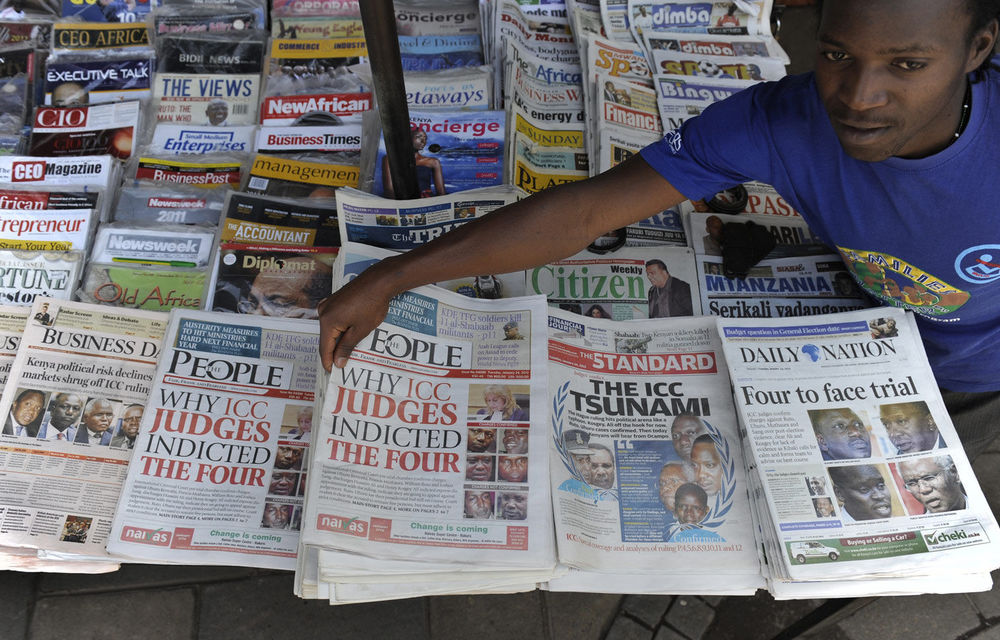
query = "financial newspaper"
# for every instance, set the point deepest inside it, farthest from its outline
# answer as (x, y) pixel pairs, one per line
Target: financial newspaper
(78, 383)
(220, 465)
(862, 473)
(431, 442)
(647, 472)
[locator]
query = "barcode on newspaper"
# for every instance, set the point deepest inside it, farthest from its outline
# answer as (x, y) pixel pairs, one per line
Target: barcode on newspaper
(241, 109)
(257, 183)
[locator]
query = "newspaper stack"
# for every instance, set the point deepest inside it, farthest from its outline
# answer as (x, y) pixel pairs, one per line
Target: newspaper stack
(430, 471)
(860, 482)
(72, 403)
(221, 461)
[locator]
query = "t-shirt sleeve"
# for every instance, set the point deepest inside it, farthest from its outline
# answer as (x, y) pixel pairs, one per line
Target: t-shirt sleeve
(728, 144)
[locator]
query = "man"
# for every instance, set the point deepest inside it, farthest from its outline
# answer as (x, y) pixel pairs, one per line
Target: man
(42, 317)
(282, 483)
(879, 116)
(602, 467)
(692, 504)
(823, 507)
(840, 434)
(479, 504)
(817, 485)
(672, 476)
(712, 240)
(934, 483)
(668, 296)
(910, 427)
(291, 290)
(276, 516)
(515, 441)
(513, 468)
(217, 112)
(25, 414)
(304, 419)
(70, 94)
(707, 464)
(287, 458)
(96, 424)
(512, 332)
(862, 492)
(513, 505)
(482, 440)
(131, 419)
(479, 468)
(684, 430)
(577, 445)
(64, 411)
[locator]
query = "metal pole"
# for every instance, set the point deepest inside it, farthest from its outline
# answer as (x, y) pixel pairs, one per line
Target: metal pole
(379, 20)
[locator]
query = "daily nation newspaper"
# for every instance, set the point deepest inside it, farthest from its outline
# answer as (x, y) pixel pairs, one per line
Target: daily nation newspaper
(71, 405)
(647, 472)
(432, 441)
(861, 469)
(220, 464)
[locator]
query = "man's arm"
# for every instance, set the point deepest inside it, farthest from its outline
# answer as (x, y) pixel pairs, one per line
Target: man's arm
(546, 227)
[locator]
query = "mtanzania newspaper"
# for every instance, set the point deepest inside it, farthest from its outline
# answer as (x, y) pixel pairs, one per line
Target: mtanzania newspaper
(79, 380)
(219, 472)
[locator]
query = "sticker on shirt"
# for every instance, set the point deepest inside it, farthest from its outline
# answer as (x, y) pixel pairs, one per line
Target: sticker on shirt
(901, 284)
(979, 264)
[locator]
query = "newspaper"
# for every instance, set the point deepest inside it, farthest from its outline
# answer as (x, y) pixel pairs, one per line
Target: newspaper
(431, 443)
(12, 322)
(188, 169)
(405, 224)
(743, 17)
(626, 284)
(736, 67)
(222, 454)
(680, 98)
(464, 88)
(415, 18)
(428, 53)
(47, 230)
(862, 473)
(287, 110)
(299, 177)
(792, 236)
(711, 45)
(80, 379)
(26, 275)
(647, 476)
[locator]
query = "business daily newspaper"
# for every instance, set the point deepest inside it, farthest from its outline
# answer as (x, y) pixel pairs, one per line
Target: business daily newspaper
(862, 471)
(219, 468)
(79, 380)
(431, 444)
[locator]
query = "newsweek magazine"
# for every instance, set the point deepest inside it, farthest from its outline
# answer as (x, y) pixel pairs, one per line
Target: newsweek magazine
(627, 284)
(254, 219)
(469, 487)
(300, 177)
(86, 130)
(849, 492)
(270, 280)
(404, 224)
(89, 77)
(79, 381)
(165, 245)
(26, 275)
(142, 287)
(221, 460)
(647, 477)
(150, 203)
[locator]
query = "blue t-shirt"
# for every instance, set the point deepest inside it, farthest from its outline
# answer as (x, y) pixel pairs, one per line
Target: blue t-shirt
(920, 234)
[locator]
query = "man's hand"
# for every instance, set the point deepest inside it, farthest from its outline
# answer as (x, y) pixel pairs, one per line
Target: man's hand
(350, 314)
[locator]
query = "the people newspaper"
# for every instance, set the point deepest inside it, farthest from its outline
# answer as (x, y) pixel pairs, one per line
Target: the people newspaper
(862, 473)
(79, 382)
(431, 444)
(220, 464)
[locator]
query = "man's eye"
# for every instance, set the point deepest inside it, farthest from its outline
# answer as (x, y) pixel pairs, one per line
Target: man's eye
(835, 56)
(910, 65)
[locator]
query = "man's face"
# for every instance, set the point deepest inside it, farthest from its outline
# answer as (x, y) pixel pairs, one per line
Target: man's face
(713, 225)
(288, 457)
(65, 410)
(510, 332)
(936, 488)
(707, 467)
(909, 429)
(131, 421)
(513, 506)
(891, 74)
(582, 464)
(671, 477)
(864, 494)
(657, 275)
(478, 504)
(28, 407)
(99, 418)
(684, 431)
(479, 468)
(816, 485)
(824, 507)
(513, 468)
(690, 510)
(275, 516)
(305, 420)
(602, 469)
(282, 484)
(284, 293)
(481, 439)
(842, 435)
(217, 113)
(515, 440)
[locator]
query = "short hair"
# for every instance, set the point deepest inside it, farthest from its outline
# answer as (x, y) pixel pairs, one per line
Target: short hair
(843, 475)
(659, 263)
(510, 325)
(90, 404)
(691, 489)
(703, 439)
(21, 395)
(919, 408)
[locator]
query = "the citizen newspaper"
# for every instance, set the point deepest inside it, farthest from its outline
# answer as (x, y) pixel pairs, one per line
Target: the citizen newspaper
(648, 483)
(431, 444)
(220, 465)
(79, 382)
(405, 224)
(862, 473)
(627, 284)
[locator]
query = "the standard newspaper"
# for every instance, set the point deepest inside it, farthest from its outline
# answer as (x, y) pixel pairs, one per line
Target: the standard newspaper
(71, 406)
(220, 464)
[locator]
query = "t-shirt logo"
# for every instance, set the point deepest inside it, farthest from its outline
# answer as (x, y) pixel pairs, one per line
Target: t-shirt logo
(979, 264)
(901, 284)
(674, 140)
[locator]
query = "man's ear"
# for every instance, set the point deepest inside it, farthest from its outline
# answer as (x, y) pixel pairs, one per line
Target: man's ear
(822, 443)
(983, 44)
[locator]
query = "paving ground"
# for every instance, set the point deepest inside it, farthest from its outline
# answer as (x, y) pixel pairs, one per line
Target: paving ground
(213, 603)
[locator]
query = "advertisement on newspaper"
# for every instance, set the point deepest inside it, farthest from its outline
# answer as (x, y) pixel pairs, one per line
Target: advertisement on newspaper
(861, 468)
(221, 460)
(432, 438)
(645, 447)
(73, 400)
